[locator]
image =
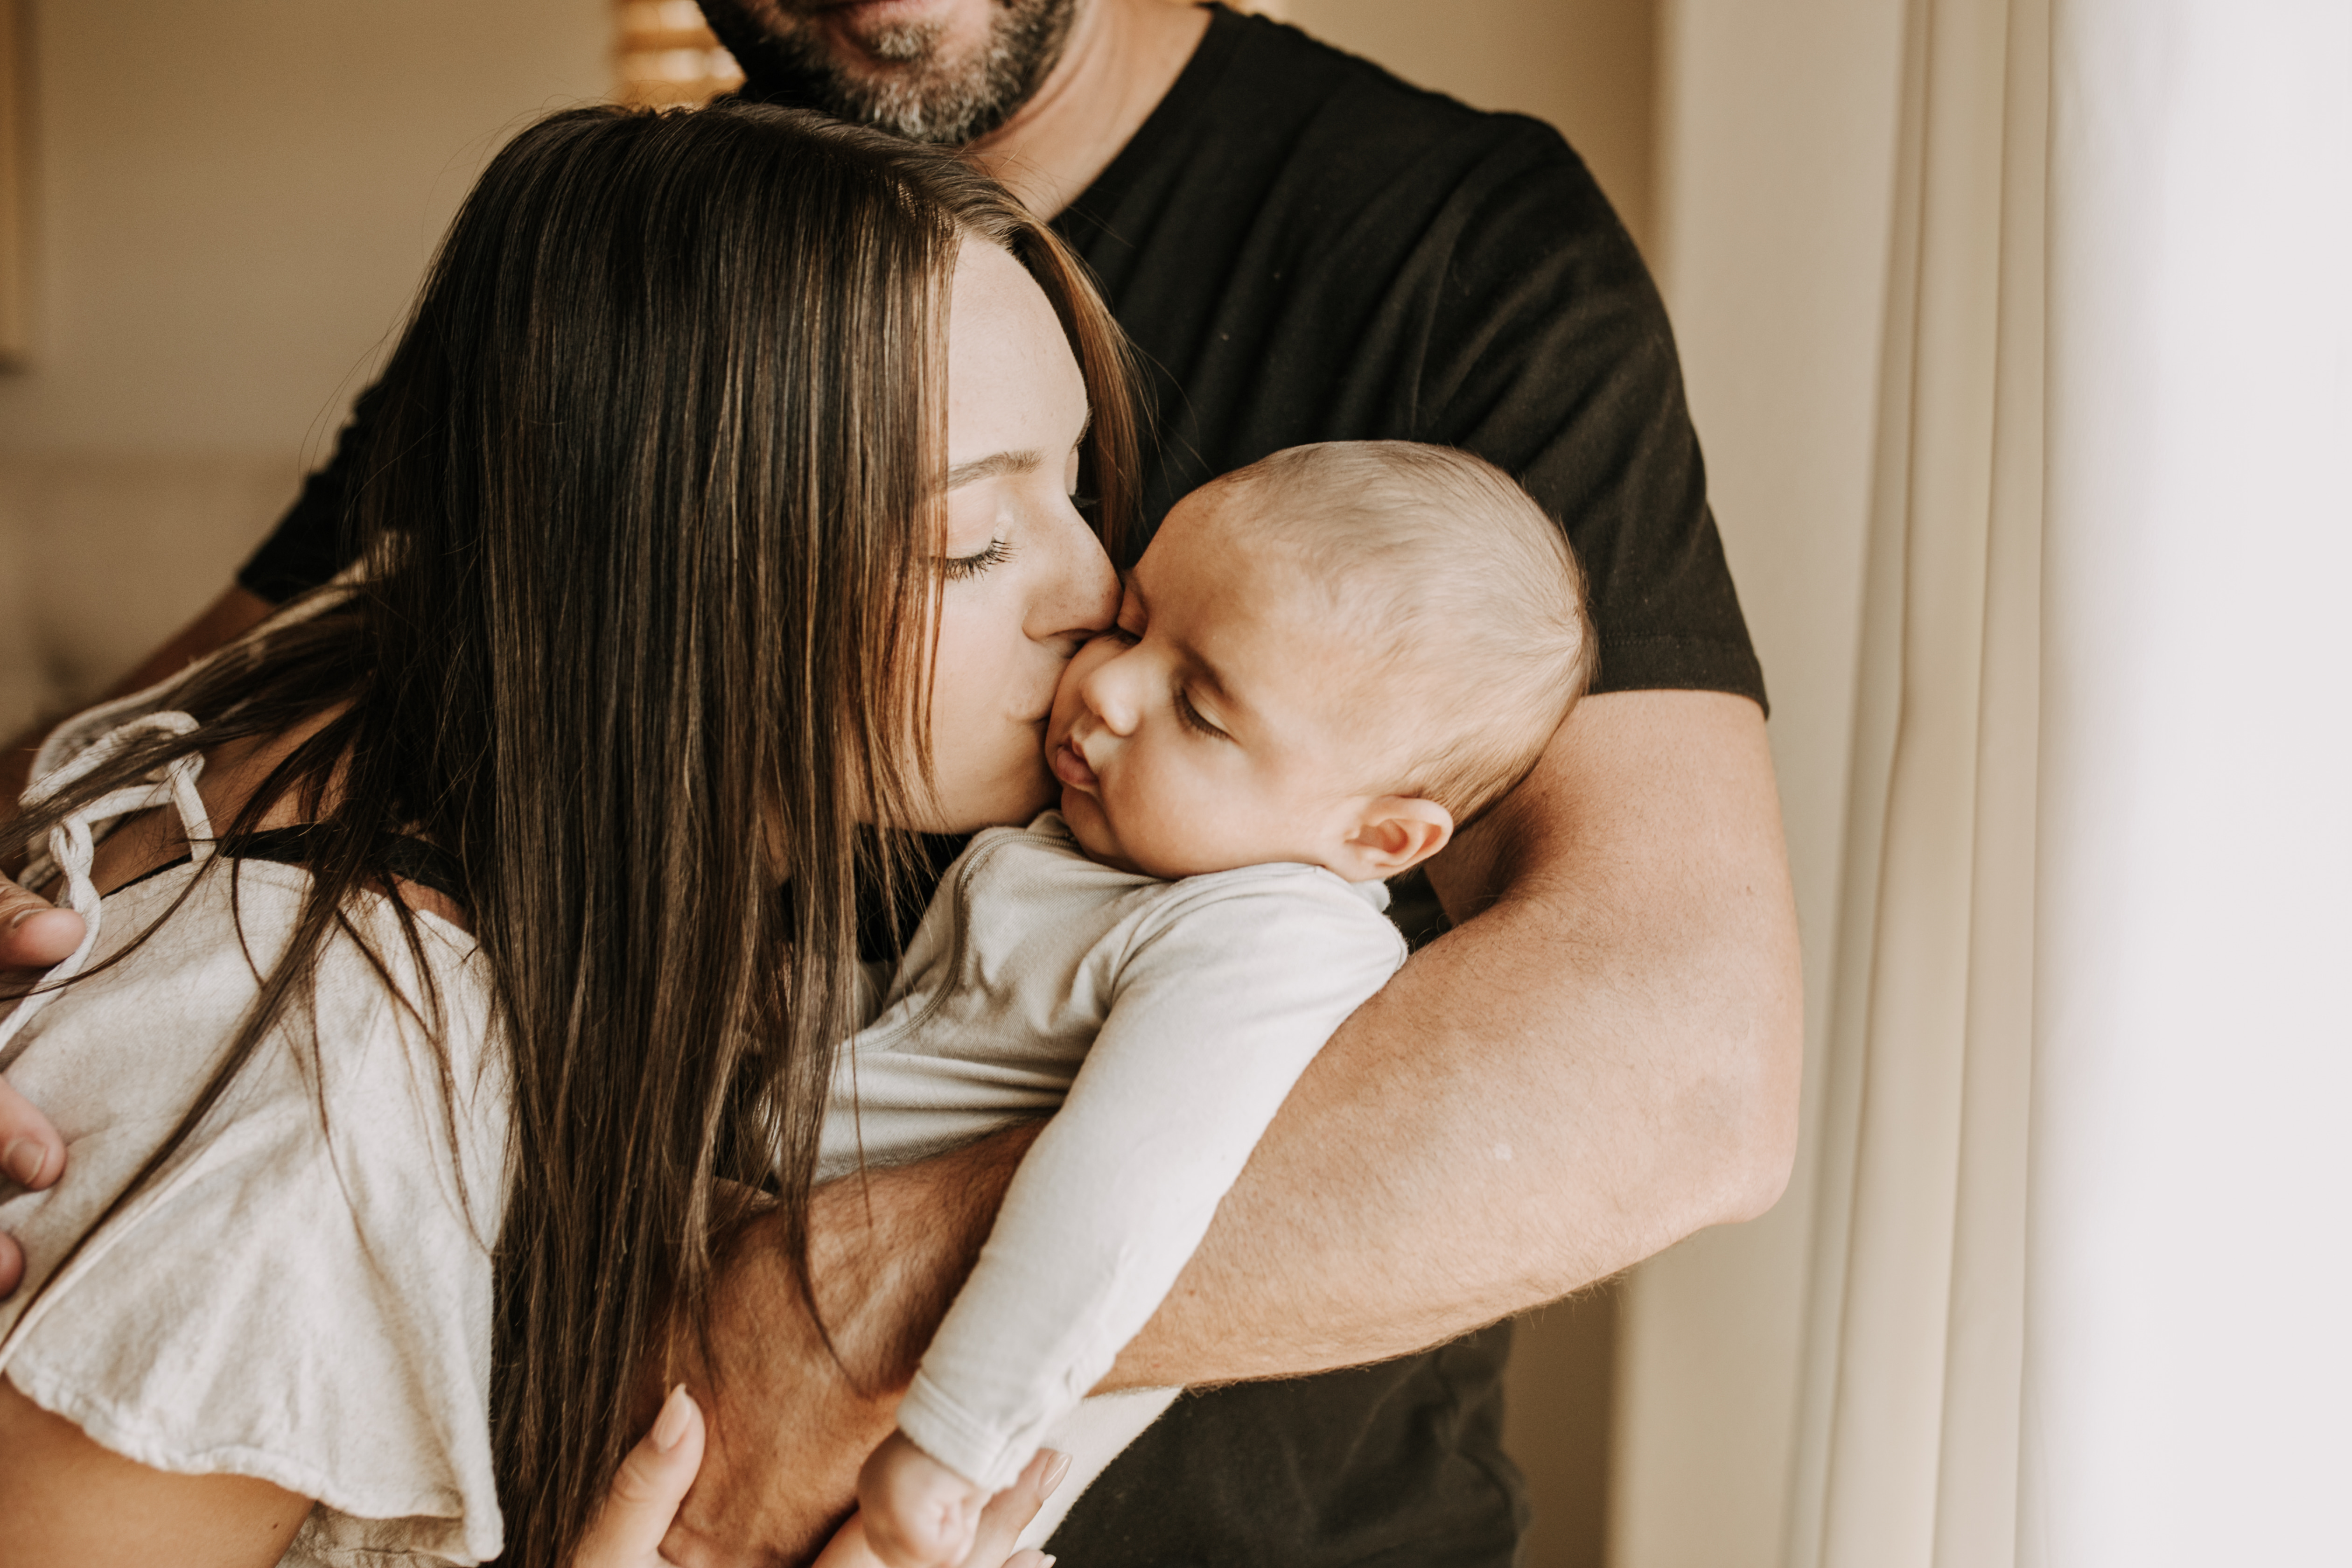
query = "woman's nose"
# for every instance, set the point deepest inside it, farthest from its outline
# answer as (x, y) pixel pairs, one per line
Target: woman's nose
(1080, 598)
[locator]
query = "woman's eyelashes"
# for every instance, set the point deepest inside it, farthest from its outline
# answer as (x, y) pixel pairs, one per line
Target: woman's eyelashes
(956, 568)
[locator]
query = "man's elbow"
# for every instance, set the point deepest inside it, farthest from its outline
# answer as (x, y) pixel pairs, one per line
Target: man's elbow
(1756, 1094)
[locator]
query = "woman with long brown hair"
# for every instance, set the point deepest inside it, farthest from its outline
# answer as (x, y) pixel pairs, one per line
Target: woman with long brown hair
(718, 532)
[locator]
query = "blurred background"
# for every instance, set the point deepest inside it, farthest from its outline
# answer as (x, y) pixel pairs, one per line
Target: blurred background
(215, 213)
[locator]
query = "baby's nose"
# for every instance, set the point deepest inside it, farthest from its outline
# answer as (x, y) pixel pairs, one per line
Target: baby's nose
(1109, 694)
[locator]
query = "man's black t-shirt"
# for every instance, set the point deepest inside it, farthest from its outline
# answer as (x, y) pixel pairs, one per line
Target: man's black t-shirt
(1305, 248)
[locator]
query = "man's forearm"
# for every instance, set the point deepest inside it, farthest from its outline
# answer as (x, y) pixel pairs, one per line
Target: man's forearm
(792, 1416)
(1600, 1060)
(226, 618)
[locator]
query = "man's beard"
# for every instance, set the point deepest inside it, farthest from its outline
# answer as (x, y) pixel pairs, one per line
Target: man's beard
(916, 94)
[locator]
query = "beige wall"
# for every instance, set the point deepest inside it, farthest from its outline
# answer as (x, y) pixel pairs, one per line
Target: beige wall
(234, 200)
(1776, 177)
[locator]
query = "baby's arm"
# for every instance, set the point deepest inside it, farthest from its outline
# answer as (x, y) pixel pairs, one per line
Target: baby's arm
(1217, 1012)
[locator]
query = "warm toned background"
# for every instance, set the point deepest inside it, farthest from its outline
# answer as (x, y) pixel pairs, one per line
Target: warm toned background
(230, 202)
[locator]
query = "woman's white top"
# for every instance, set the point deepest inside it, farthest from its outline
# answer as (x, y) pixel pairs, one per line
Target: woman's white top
(1161, 1025)
(302, 1292)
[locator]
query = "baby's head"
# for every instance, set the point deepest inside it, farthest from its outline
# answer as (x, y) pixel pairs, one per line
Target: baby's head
(1334, 656)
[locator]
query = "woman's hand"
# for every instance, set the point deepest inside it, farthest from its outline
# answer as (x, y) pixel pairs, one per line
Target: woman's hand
(651, 1483)
(653, 1480)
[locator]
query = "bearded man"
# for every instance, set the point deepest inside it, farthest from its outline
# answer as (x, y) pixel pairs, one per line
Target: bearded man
(1600, 1059)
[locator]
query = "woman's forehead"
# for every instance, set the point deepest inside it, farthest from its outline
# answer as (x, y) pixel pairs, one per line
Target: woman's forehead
(1013, 383)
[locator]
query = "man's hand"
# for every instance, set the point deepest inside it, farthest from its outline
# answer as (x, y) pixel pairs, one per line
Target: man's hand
(34, 1156)
(790, 1424)
(34, 934)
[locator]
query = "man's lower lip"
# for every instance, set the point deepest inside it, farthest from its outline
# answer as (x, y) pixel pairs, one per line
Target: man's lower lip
(836, 7)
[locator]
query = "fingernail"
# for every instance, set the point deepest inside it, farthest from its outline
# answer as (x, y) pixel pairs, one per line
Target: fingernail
(1053, 1474)
(25, 1160)
(675, 1412)
(20, 917)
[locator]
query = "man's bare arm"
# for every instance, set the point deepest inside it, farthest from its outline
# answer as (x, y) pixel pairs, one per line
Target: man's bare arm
(1620, 1013)
(222, 622)
(1603, 1059)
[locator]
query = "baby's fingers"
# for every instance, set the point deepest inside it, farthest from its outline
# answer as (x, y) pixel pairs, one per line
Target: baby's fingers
(1009, 1512)
(651, 1483)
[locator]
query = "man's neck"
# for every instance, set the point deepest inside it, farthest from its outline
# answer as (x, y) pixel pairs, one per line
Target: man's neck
(1122, 57)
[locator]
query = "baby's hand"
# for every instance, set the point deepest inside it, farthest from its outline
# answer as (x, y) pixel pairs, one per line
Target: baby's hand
(919, 1513)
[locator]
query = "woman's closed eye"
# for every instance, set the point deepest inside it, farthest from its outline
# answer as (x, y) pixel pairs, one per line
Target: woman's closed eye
(956, 568)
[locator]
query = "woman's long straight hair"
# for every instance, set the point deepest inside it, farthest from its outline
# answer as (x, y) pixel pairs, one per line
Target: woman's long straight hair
(649, 521)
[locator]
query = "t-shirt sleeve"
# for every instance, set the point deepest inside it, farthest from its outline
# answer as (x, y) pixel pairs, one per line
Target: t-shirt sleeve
(310, 542)
(1215, 1012)
(1549, 353)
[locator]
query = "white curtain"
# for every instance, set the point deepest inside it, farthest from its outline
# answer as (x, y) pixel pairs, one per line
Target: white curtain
(1907, 1454)
(2080, 1255)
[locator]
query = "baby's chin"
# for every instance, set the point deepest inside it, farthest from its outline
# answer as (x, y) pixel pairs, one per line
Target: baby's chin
(1091, 828)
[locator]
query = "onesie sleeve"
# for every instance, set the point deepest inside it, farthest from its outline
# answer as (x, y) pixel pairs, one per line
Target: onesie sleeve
(1216, 1010)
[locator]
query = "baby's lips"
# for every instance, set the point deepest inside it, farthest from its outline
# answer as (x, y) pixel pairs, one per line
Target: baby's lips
(1071, 768)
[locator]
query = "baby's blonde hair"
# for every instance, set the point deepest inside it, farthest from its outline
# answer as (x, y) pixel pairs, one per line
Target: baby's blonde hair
(1466, 589)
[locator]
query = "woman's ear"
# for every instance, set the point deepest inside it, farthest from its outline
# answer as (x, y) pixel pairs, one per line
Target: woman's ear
(1394, 833)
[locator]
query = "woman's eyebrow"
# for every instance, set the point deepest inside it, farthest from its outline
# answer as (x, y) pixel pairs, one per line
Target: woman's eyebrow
(992, 466)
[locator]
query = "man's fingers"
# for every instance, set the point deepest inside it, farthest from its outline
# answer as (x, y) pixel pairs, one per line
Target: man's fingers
(31, 1156)
(34, 932)
(31, 1153)
(1009, 1512)
(651, 1483)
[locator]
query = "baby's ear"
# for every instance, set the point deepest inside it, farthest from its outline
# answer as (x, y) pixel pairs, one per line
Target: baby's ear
(1395, 833)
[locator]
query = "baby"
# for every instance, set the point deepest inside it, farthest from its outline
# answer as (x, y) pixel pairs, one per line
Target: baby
(1323, 665)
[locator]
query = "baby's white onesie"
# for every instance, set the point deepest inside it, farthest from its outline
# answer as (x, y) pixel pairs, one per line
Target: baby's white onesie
(1161, 1024)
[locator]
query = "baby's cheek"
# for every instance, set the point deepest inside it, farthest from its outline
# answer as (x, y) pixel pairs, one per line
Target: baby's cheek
(1183, 823)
